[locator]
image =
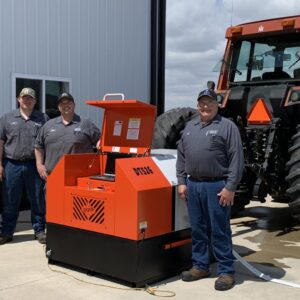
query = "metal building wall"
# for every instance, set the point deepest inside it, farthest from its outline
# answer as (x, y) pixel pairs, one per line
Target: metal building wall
(102, 45)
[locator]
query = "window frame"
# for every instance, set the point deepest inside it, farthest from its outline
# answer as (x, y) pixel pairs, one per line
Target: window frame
(43, 79)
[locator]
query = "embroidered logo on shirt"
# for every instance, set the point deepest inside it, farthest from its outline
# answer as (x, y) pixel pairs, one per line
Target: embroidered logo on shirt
(77, 129)
(211, 132)
(14, 123)
(52, 130)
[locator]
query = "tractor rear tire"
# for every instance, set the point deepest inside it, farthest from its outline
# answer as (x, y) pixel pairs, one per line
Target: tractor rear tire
(293, 177)
(169, 126)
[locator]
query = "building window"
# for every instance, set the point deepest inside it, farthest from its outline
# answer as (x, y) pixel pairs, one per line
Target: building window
(47, 89)
(53, 89)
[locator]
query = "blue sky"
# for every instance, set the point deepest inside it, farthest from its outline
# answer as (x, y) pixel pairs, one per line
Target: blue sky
(195, 40)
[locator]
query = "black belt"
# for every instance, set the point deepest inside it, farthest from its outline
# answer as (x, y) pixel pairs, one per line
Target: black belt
(207, 178)
(21, 159)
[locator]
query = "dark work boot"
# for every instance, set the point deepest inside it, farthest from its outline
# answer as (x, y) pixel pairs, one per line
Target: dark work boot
(5, 239)
(224, 282)
(194, 274)
(40, 236)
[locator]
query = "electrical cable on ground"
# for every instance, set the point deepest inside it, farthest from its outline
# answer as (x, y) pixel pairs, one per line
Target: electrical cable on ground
(150, 290)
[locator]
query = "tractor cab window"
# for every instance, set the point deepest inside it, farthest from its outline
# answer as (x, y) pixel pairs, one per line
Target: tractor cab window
(240, 72)
(262, 59)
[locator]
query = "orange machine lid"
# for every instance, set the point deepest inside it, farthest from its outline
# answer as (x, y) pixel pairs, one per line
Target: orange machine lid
(259, 113)
(127, 125)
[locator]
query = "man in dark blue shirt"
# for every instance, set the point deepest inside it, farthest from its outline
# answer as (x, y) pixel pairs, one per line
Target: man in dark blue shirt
(209, 167)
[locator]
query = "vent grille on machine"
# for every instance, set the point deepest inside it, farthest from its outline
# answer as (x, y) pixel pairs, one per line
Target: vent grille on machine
(91, 210)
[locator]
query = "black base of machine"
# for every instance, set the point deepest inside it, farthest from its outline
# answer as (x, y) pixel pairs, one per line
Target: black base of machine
(135, 263)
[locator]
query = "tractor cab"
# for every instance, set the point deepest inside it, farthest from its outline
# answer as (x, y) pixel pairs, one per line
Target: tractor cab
(259, 89)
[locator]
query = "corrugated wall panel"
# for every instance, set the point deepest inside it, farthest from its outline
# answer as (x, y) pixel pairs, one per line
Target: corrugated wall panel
(6, 61)
(42, 43)
(102, 45)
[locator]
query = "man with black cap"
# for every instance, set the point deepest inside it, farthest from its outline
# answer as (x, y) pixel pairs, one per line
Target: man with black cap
(18, 130)
(209, 168)
(66, 134)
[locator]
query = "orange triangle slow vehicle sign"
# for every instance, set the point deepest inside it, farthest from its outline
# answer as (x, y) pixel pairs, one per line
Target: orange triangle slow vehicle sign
(259, 113)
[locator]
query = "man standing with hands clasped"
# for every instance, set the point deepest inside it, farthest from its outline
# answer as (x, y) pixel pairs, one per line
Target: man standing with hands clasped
(209, 168)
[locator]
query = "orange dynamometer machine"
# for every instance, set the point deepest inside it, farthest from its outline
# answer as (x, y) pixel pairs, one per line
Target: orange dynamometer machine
(116, 212)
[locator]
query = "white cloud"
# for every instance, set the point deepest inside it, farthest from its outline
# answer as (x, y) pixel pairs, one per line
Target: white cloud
(195, 40)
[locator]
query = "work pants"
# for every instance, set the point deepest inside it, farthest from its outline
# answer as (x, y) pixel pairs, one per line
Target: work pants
(21, 176)
(210, 224)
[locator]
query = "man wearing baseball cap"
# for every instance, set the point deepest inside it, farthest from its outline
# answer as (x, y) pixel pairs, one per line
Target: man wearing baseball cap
(18, 130)
(209, 168)
(67, 134)
(65, 96)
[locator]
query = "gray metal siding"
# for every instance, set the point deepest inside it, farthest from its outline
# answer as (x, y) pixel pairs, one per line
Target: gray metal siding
(102, 45)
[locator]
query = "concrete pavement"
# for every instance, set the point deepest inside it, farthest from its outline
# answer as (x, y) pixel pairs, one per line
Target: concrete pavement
(263, 234)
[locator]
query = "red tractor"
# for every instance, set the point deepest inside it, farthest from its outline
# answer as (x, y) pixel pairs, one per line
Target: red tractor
(259, 89)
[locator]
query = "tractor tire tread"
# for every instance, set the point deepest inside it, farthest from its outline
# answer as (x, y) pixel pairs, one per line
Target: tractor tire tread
(168, 127)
